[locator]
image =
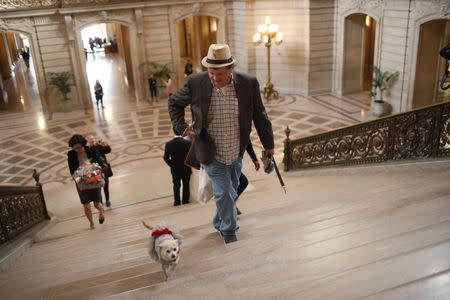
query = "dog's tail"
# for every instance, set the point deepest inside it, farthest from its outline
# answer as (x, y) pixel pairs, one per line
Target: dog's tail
(147, 226)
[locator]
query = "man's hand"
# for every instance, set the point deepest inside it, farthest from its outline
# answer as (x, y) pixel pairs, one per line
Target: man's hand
(257, 165)
(189, 131)
(269, 152)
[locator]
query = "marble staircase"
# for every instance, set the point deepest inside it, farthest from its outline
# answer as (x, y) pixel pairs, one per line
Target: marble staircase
(371, 232)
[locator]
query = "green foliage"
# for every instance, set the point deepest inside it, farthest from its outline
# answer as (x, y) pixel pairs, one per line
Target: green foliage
(61, 81)
(158, 70)
(381, 81)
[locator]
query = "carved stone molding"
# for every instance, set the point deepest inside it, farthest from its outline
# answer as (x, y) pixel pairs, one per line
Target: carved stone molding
(23, 24)
(3, 26)
(124, 16)
(45, 20)
(104, 15)
(374, 6)
(196, 8)
(212, 9)
(67, 3)
(15, 4)
(423, 8)
(69, 27)
(139, 21)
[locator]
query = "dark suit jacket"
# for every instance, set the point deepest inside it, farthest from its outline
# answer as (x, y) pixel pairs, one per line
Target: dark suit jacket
(197, 93)
(175, 152)
(101, 151)
(72, 158)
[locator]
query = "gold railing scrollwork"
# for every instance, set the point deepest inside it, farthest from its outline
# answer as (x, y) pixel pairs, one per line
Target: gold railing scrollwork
(420, 133)
(21, 208)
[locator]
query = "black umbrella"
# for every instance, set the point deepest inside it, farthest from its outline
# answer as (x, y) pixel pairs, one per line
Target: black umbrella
(280, 179)
(269, 165)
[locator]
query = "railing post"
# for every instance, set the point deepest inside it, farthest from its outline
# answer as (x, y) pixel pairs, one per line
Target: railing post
(36, 176)
(287, 152)
(4, 236)
(438, 125)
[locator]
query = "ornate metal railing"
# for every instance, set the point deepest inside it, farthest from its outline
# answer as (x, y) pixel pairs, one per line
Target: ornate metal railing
(21, 208)
(421, 133)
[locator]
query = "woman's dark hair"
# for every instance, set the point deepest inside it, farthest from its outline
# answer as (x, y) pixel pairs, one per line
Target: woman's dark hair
(77, 139)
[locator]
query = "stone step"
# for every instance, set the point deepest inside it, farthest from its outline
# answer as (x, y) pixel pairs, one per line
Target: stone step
(329, 229)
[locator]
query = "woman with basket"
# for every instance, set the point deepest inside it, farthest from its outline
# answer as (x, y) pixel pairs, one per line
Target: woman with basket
(87, 173)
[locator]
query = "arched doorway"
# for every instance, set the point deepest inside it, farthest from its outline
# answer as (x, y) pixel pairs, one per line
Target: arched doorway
(107, 58)
(195, 34)
(359, 49)
(433, 35)
(18, 82)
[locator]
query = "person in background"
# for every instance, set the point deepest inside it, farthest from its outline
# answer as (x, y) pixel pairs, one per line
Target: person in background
(102, 148)
(168, 85)
(224, 104)
(26, 57)
(79, 155)
(243, 181)
(188, 68)
(153, 84)
(175, 153)
(98, 91)
(91, 44)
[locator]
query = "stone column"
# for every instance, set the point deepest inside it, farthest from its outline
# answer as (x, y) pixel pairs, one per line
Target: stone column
(82, 90)
(10, 37)
(144, 94)
(5, 57)
(196, 42)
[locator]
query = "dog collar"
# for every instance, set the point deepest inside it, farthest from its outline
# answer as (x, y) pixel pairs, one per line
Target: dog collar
(164, 231)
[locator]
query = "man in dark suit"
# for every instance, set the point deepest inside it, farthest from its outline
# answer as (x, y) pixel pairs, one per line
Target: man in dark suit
(223, 103)
(175, 152)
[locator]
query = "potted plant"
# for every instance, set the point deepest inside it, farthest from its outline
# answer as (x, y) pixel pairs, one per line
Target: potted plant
(158, 70)
(60, 80)
(381, 82)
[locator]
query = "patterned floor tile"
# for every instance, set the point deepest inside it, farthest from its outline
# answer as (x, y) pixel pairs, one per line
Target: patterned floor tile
(16, 180)
(13, 170)
(125, 123)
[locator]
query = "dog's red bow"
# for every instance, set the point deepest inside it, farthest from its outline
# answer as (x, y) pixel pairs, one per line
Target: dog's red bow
(161, 232)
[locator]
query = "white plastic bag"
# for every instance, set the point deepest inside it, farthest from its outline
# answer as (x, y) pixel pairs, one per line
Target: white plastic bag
(205, 192)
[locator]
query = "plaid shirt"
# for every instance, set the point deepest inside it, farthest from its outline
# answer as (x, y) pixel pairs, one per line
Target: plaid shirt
(223, 123)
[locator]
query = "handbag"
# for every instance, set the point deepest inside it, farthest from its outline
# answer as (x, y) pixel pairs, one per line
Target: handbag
(190, 159)
(205, 191)
(204, 148)
(106, 167)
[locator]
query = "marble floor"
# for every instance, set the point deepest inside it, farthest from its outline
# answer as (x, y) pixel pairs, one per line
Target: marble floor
(137, 132)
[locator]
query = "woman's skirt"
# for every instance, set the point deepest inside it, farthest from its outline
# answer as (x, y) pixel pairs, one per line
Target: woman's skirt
(87, 196)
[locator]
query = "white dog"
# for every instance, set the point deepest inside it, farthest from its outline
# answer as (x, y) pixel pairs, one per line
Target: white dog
(164, 246)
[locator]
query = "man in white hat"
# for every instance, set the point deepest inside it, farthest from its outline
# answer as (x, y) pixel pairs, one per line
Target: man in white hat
(224, 103)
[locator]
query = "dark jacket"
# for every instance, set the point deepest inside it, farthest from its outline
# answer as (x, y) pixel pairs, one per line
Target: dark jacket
(251, 152)
(72, 158)
(197, 93)
(102, 150)
(175, 152)
(152, 83)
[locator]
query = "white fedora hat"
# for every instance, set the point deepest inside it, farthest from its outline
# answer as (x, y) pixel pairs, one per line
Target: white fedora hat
(219, 55)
